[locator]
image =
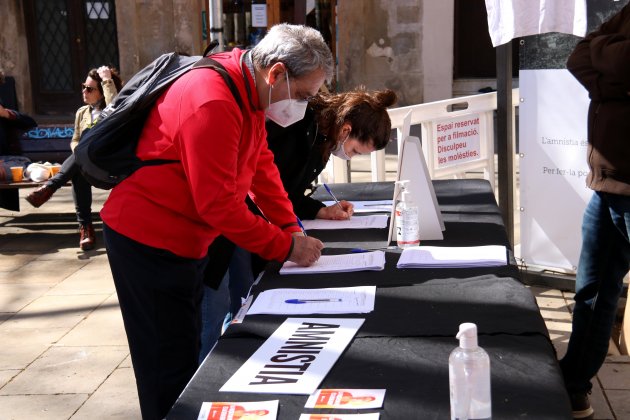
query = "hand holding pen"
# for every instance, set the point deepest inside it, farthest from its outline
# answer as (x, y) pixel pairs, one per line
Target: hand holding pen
(306, 250)
(341, 210)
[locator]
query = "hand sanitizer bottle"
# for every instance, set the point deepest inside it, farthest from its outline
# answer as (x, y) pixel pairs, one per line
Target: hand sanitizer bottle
(469, 377)
(407, 225)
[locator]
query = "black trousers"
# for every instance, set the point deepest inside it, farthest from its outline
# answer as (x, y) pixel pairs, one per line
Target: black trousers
(81, 189)
(160, 296)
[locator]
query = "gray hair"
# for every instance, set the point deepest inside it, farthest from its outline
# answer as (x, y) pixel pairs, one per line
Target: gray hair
(301, 48)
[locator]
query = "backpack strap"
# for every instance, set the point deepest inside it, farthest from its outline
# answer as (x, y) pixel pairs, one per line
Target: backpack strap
(207, 62)
(211, 46)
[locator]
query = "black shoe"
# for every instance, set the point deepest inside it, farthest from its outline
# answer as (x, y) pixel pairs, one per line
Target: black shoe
(581, 406)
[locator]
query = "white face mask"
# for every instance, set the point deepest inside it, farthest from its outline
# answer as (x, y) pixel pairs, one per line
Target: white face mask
(287, 111)
(340, 151)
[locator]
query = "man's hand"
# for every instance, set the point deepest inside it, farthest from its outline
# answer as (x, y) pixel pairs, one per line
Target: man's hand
(104, 72)
(4, 113)
(335, 213)
(306, 250)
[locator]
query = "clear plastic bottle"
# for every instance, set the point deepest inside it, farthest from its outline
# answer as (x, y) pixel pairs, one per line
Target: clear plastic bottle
(469, 377)
(407, 225)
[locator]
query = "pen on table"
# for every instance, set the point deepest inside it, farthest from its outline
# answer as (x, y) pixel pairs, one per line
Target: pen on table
(299, 301)
(301, 226)
(332, 195)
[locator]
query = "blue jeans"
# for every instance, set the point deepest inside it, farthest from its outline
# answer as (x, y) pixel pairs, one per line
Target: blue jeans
(604, 261)
(219, 306)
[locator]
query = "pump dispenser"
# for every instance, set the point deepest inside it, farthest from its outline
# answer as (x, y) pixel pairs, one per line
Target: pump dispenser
(469, 377)
(407, 224)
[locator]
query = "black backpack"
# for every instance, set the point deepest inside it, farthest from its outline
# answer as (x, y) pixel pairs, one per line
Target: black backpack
(106, 153)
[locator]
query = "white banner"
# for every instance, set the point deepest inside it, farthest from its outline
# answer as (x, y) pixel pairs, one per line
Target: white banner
(553, 169)
(296, 358)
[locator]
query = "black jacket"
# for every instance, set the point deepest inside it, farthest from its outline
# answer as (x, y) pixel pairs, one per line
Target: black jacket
(299, 155)
(11, 129)
(601, 62)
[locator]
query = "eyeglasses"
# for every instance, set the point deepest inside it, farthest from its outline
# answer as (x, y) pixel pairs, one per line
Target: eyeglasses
(89, 89)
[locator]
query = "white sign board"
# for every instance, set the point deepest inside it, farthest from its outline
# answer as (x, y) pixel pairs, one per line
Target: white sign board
(259, 15)
(457, 140)
(296, 358)
(553, 169)
(412, 166)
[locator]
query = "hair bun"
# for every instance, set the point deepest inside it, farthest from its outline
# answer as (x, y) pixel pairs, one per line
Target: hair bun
(385, 98)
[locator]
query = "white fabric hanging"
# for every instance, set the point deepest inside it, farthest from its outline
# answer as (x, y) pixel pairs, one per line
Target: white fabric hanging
(508, 19)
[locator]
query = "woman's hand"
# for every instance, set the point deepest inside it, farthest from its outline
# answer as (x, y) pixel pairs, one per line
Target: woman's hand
(104, 72)
(334, 212)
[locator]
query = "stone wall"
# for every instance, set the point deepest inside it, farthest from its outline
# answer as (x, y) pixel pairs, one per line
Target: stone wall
(160, 26)
(14, 51)
(146, 29)
(403, 45)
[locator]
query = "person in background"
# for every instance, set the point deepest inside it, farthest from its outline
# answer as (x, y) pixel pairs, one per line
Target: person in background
(601, 62)
(99, 89)
(344, 124)
(11, 120)
(159, 222)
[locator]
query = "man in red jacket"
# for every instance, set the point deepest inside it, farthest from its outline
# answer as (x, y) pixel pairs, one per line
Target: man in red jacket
(159, 222)
(601, 62)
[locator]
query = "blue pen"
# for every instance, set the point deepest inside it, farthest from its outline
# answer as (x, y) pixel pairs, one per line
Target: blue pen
(358, 250)
(301, 225)
(300, 301)
(332, 195)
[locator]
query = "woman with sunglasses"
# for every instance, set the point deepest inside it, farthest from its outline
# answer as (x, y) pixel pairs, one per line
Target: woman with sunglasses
(100, 87)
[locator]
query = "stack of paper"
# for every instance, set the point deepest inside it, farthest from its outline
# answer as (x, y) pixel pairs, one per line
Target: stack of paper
(372, 261)
(453, 257)
(335, 300)
(375, 221)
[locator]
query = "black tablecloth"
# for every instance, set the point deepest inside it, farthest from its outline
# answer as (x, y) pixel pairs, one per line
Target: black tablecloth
(403, 346)
(434, 308)
(525, 380)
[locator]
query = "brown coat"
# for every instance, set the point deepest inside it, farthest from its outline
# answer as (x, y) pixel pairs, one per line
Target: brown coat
(601, 62)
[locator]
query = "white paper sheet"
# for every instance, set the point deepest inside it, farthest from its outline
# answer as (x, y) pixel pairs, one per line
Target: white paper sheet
(366, 416)
(454, 257)
(361, 261)
(377, 206)
(296, 358)
(375, 221)
(335, 300)
(346, 398)
(263, 410)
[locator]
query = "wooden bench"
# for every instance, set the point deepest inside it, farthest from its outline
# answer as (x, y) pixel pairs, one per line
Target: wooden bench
(45, 143)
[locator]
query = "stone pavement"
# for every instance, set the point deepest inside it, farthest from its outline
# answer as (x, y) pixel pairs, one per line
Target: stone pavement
(64, 353)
